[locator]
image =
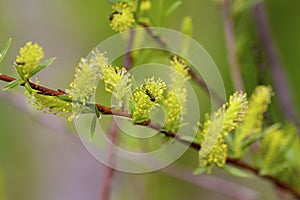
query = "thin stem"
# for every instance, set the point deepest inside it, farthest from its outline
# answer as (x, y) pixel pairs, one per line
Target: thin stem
(155, 37)
(193, 145)
(205, 87)
(128, 59)
(280, 184)
(277, 73)
(106, 189)
(40, 88)
(235, 68)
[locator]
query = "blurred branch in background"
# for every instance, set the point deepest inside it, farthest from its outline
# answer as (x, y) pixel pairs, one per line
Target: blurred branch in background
(109, 172)
(234, 65)
(277, 73)
(278, 183)
(54, 124)
(214, 184)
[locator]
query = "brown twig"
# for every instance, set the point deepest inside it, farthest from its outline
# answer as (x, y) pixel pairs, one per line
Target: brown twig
(128, 59)
(208, 90)
(280, 184)
(279, 79)
(194, 145)
(235, 68)
(156, 38)
(40, 88)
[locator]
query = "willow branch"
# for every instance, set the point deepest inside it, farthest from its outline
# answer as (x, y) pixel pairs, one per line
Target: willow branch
(109, 111)
(235, 68)
(128, 59)
(277, 73)
(280, 184)
(203, 85)
(155, 37)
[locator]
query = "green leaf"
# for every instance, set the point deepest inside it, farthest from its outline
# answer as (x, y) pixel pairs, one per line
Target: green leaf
(28, 88)
(19, 70)
(13, 84)
(64, 98)
(236, 172)
(246, 144)
(172, 8)
(131, 107)
(42, 66)
(199, 170)
(4, 51)
(93, 126)
(98, 114)
(229, 141)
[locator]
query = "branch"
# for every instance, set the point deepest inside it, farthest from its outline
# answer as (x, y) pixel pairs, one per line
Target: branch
(280, 184)
(214, 184)
(278, 77)
(128, 59)
(205, 87)
(235, 68)
(109, 111)
(156, 38)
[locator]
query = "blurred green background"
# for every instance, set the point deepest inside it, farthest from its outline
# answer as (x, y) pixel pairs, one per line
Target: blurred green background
(42, 161)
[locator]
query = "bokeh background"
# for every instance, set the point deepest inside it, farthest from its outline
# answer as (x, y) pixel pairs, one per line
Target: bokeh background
(41, 157)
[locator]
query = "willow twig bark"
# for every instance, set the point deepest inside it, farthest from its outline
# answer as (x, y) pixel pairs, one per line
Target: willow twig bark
(233, 60)
(277, 73)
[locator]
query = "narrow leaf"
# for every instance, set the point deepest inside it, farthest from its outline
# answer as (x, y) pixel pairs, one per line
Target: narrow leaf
(4, 51)
(93, 126)
(65, 98)
(28, 88)
(199, 170)
(13, 84)
(236, 172)
(97, 112)
(246, 144)
(42, 66)
(173, 7)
